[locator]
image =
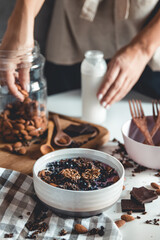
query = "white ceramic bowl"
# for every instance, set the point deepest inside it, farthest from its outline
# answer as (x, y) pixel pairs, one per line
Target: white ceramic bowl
(78, 203)
(143, 154)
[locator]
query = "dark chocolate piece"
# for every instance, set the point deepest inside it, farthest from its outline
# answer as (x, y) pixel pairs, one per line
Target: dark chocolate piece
(81, 129)
(143, 195)
(130, 205)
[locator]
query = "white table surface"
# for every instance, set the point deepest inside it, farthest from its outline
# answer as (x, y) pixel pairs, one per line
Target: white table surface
(69, 103)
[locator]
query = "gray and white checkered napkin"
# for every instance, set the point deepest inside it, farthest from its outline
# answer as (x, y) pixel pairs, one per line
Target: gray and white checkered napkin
(18, 205)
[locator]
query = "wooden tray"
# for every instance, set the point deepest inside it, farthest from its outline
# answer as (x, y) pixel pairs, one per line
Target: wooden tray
(25, 163)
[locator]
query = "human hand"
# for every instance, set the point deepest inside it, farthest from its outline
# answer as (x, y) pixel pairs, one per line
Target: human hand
(15, 50)
(123, 72)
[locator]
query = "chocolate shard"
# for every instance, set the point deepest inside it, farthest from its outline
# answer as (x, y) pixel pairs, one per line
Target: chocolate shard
(143, 195)
(81, 129)
(131, 205)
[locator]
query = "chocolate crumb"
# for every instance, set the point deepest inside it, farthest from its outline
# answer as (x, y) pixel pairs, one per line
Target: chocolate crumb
(93, 231)
(157, 174)
(63, 232)
(129, 212)
(8, 235)
(154, 221)
(139, 169)
(138, 217)
(99, 231)
(143, 213)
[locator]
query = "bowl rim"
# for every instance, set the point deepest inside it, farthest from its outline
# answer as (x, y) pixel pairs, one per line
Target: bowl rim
(131, 139)
(77, 191)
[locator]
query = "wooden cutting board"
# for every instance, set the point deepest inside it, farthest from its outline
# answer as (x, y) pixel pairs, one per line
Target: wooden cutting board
(24, 163)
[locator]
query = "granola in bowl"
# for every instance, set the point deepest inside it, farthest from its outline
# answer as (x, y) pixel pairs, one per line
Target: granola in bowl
(80, 174)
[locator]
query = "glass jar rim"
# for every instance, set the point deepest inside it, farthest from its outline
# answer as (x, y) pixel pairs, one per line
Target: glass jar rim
(15, 59)
(32, 51)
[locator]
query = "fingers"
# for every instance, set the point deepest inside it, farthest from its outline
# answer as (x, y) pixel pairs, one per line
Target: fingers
(117, 86)
(121, 93)
(10, 80)
(24, 78)
(111, 75)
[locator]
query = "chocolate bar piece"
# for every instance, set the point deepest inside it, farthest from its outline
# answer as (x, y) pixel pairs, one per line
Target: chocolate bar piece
(131, 205)
(81, 129)
(143, 195)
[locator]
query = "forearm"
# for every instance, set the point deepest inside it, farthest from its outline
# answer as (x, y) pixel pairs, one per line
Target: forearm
(149, 38)
(29, 7)
(21, 24)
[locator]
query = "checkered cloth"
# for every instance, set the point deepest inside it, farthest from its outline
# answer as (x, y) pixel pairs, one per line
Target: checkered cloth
(18, 205)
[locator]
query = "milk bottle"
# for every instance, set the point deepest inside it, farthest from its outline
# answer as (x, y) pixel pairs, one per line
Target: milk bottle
(93, 69)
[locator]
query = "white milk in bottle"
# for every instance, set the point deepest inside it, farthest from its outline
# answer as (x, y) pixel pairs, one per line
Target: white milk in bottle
(93, 69)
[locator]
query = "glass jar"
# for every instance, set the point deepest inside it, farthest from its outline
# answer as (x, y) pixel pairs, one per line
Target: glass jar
(27, 120)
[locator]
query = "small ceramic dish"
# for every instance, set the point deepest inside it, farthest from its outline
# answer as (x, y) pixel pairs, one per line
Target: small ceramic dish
(78, 203)
(143, 154)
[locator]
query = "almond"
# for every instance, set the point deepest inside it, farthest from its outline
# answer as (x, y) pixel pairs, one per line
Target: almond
(155, 185)
(32, 122)
(158, 191)
(22, 151)
(120, 223)
(17, 145)
(8, 147)
(42, 173)
(34, 133)
(27, 123)
(19, 87)
(25, 93)
(21, 120)
(80, 228)
(127, 217)
(30, 128)
(9, 106)
(7, 124)
(24, 132)
(53, 184)
(6, 112)
(62, 140)
(27, 100)
(115, 179)
(27, 137)
(19, 126)
(15, 131)
(38, 122)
